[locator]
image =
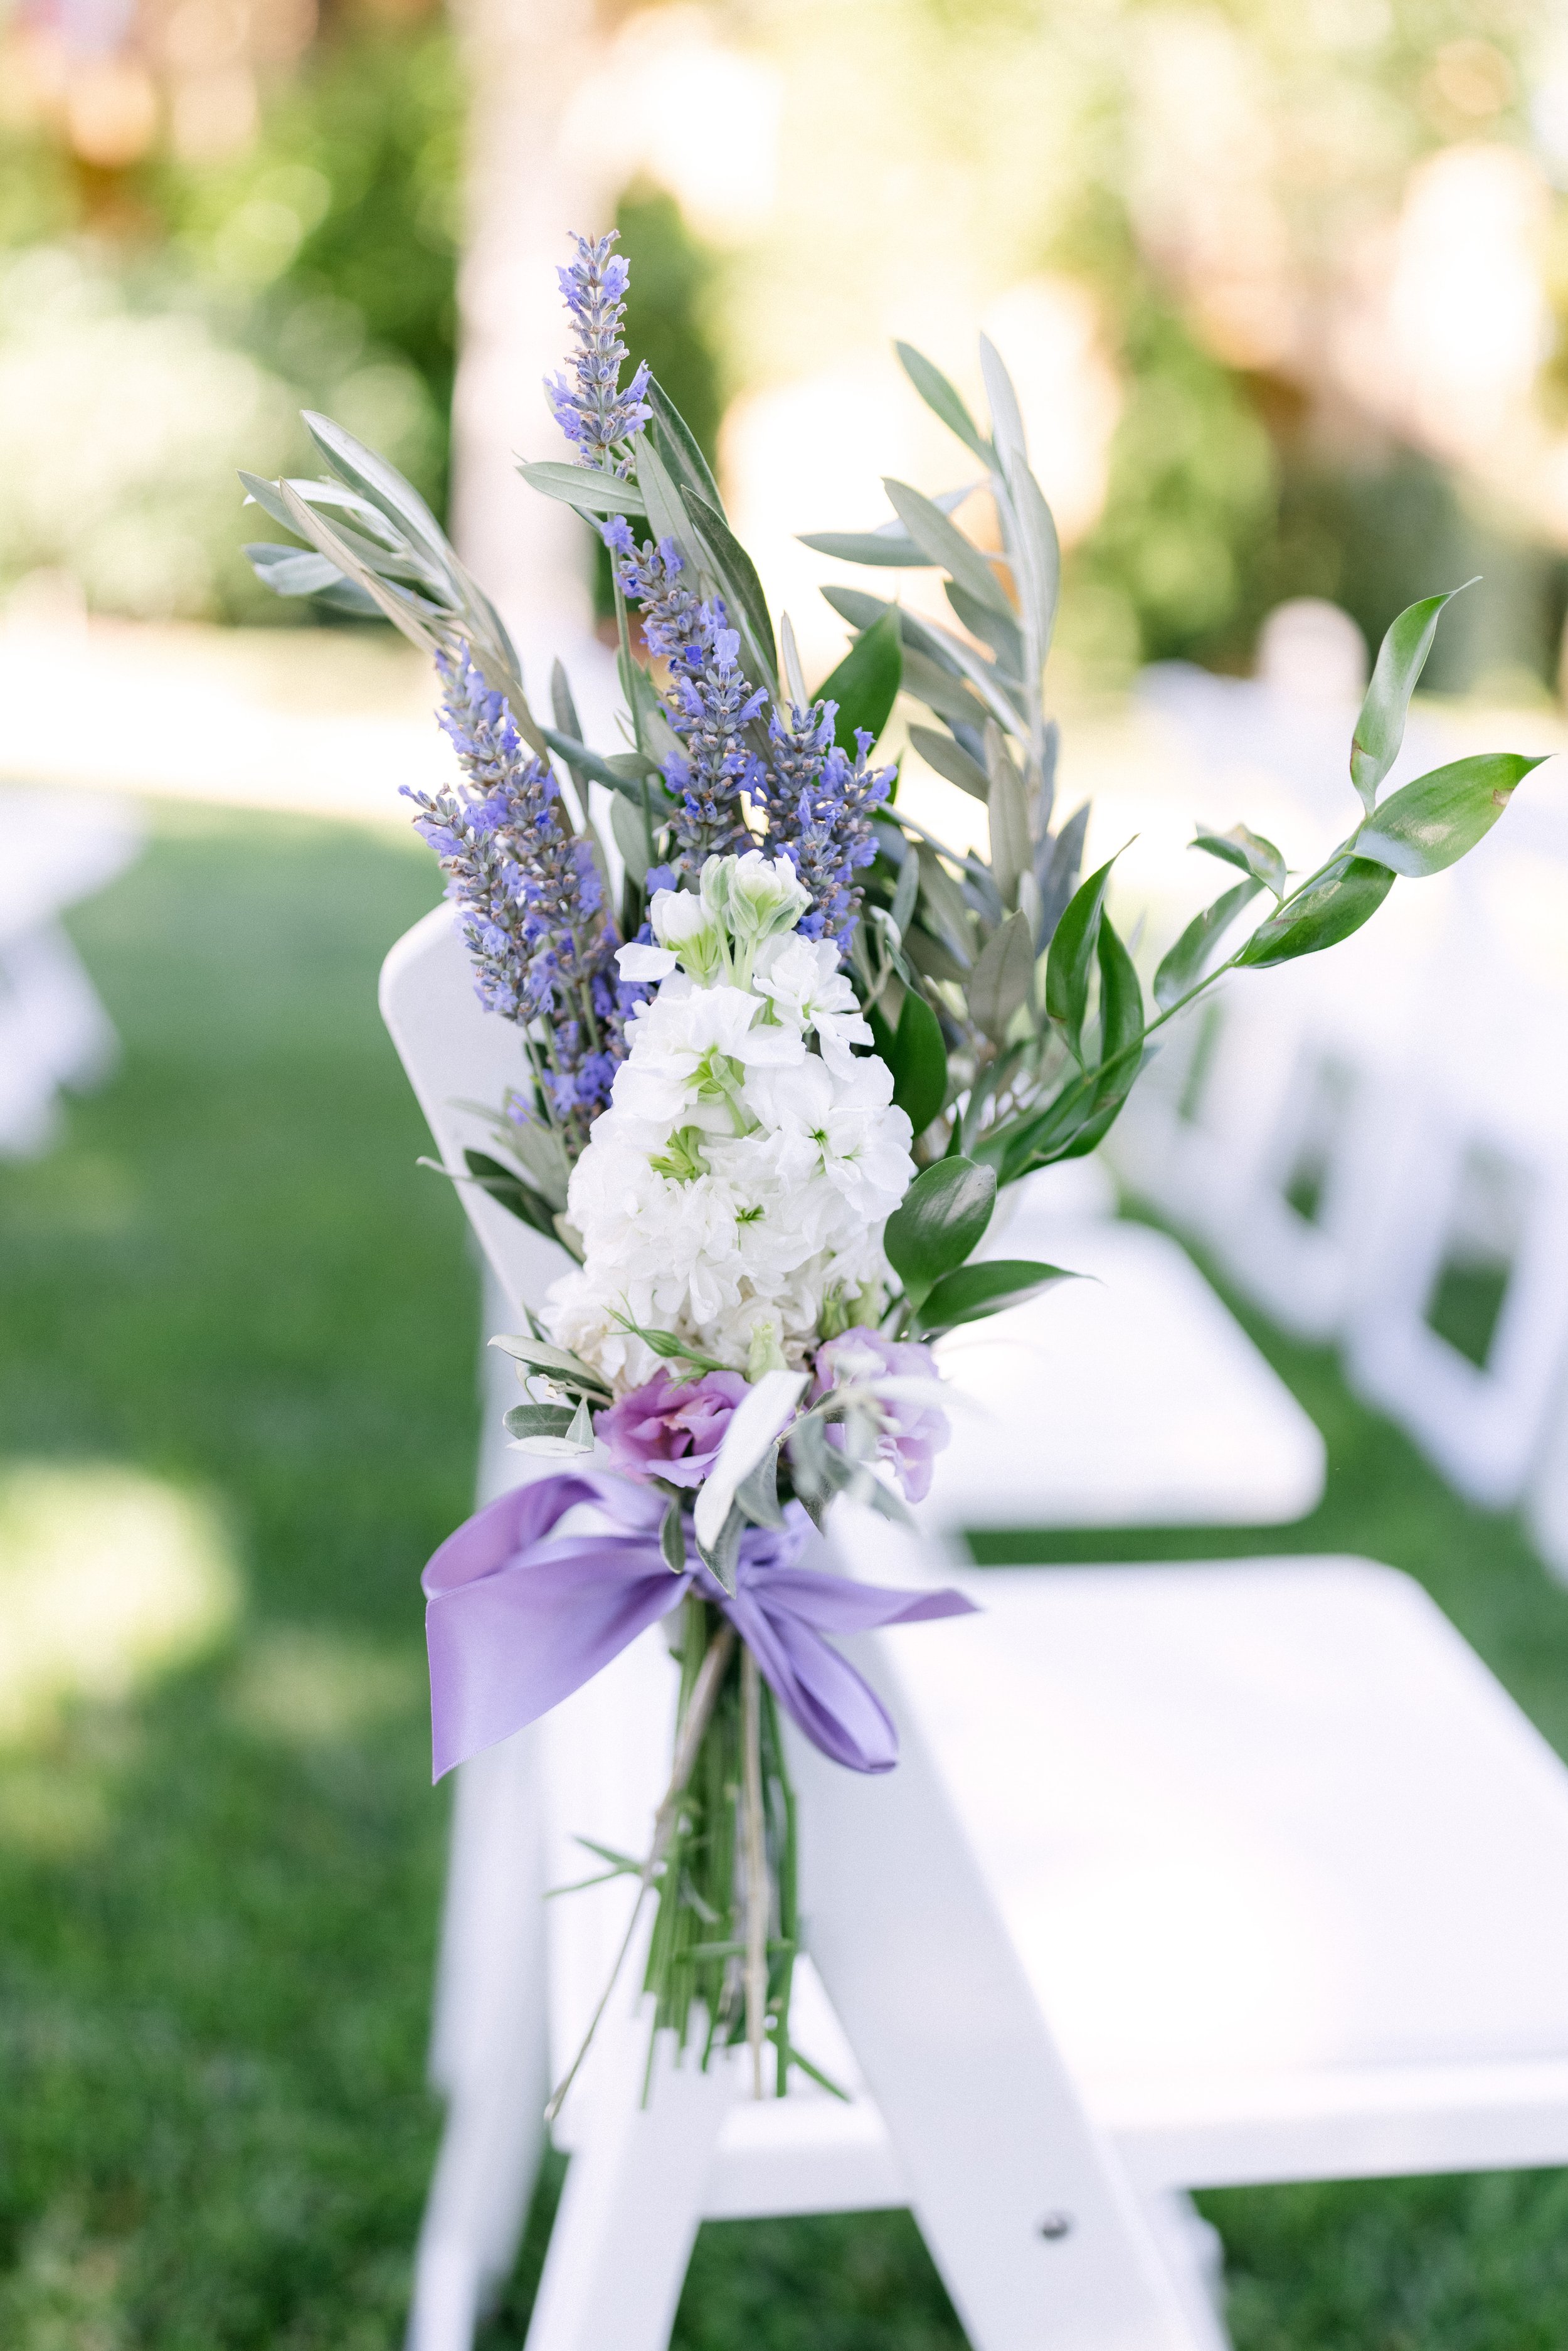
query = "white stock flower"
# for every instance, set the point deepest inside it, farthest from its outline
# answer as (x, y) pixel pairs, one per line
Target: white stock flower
(689, 1049)
(802, 980)
(638, 961)
(688, 928)
(737, 1179)
(754, 897)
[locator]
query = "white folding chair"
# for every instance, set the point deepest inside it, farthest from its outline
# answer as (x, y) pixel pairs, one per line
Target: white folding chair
(1264, 1127)
(1188, 1876)
(54, 1032)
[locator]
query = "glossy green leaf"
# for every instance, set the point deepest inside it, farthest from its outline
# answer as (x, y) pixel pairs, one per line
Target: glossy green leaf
(1121, 1008)
(998, 984)
(1057, 863)
(943, 400)
(974, 1292)
(1182, 968)
(938, 1222)
(1401, 658)
(946, 545)
(950, 760)
(1250, 853)
(1012, 851)
(1071, 957)
(918, 1059)
(1429, 824)
(1349, 894)
(934, 654)
(585, 488)
(866, 681)
(672, 1537)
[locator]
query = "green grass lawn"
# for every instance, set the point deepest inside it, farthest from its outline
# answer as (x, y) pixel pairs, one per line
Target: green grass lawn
(218, 1892)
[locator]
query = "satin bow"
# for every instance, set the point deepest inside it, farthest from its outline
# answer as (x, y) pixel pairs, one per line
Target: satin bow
(520, 1617)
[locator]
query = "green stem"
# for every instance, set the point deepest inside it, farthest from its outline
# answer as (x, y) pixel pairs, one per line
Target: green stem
(688, 1743)
(758, 1889)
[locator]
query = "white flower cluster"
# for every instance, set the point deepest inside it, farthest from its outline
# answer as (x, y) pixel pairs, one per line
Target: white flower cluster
(738, 1183)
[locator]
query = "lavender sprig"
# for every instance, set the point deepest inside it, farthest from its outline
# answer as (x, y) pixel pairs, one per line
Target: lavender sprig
(709, 702)
(598, 417)
(819, 804)
(534, 920)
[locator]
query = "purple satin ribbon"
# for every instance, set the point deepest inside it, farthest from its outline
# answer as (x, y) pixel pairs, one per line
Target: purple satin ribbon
(520, 1617)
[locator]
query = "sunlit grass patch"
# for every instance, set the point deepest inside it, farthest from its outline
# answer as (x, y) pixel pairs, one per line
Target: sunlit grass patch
(310, 1687)
(106, 1576)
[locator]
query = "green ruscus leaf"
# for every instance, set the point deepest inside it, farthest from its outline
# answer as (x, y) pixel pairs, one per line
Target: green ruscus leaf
(1349, 894)
(1182, 967)
(866, 681)
(1401, 658)
(972, 1291)
(938, 1221)
(1071, 956)
(1430, 824)
(918, 1059)
(1247, 850)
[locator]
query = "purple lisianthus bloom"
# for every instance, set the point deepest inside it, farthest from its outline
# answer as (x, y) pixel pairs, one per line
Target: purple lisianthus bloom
(671, 1428)
(911, 1432)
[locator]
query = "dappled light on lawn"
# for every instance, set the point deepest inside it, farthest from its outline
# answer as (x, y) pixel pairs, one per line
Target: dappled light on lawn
(107, 1576)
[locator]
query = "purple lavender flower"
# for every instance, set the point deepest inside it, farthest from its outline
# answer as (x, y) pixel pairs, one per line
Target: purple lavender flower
(911, 1432)
(671, 1428)
(598, 416)
(819, 804)
(709, 702)
(534, 916)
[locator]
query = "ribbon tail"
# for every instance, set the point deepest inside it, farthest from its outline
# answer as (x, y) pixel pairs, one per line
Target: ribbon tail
(517, 1620)
(821, 1692)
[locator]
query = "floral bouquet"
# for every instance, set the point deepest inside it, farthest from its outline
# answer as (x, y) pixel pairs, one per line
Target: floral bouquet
(779, 1047)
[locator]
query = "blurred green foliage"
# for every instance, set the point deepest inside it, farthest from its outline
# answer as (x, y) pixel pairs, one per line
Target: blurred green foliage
(340, 223)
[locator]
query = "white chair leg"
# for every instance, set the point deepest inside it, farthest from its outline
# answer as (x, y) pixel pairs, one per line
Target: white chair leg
(489, 2051)
(633, 2198)
(1038, 2234)
(1194, 2256)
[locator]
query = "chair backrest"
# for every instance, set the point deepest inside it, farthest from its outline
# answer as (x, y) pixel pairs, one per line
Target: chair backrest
(460, 1061)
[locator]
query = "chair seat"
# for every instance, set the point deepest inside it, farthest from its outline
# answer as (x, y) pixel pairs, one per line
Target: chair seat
(1148, 1403)
(1286, 1865)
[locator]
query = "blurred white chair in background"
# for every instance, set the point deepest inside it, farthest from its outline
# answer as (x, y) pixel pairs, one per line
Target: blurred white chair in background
(55, 850)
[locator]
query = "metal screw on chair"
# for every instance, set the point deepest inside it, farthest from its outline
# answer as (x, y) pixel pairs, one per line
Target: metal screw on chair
(1056, 2225)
